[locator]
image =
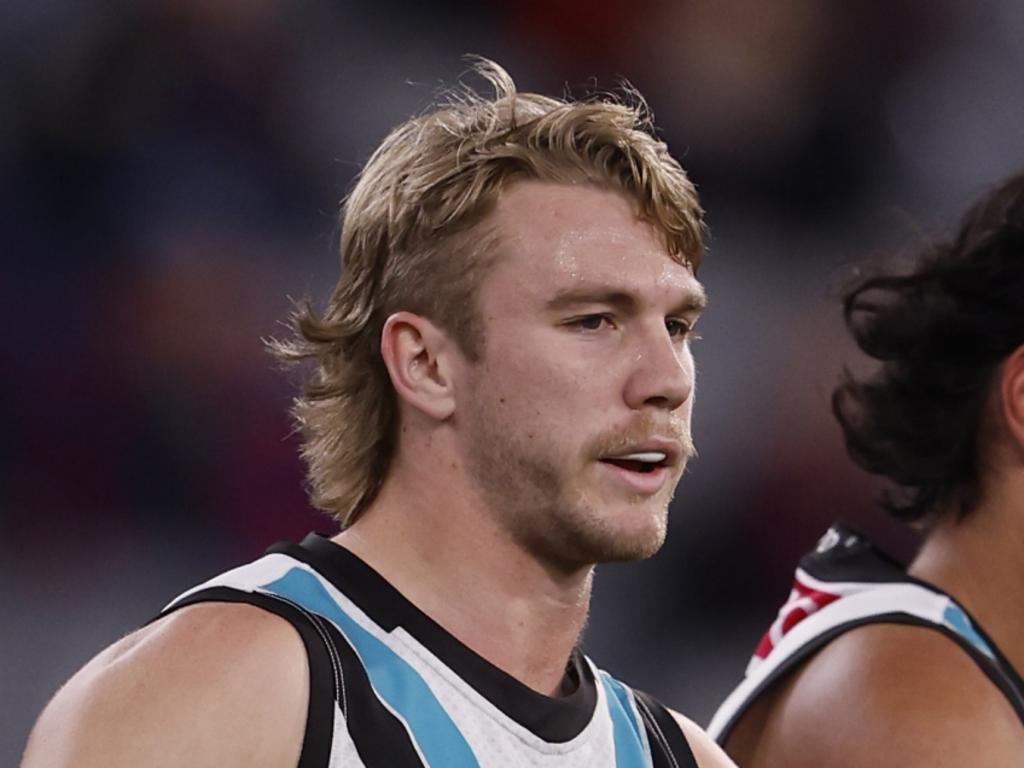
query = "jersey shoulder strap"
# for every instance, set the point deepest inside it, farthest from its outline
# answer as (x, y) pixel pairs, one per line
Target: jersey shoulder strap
(344, 711)
(669, 747)
(652, 730)
(324, 670)
(846, 582)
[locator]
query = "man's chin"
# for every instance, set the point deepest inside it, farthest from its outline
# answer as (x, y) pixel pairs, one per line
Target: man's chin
(636, 548)
(632, 542)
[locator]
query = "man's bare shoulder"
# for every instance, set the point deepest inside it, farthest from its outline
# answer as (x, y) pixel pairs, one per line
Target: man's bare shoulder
(707, 752)
(212, 684)
(888, 694)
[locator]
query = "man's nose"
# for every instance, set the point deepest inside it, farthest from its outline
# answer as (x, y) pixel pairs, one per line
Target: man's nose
(661, 374)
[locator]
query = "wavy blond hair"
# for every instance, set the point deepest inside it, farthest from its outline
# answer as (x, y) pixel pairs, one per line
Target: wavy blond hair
(411, 240)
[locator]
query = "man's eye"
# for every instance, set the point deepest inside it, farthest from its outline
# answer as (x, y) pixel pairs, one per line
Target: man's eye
(591, 322)
(677, 329)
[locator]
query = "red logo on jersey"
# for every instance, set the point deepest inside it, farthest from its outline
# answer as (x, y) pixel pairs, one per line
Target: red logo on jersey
(803, 601)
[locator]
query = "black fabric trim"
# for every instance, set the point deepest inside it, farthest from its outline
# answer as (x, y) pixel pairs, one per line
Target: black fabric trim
(669, 747)
(381, 739)
(323, 689)
(1007, 669)
(552, 719)
(996, 675)
(854, 557)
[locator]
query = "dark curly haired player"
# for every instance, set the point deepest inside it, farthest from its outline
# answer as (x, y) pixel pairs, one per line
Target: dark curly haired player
(870, 663)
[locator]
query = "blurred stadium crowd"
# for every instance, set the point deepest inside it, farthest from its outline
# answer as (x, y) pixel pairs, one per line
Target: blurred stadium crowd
(171, 171)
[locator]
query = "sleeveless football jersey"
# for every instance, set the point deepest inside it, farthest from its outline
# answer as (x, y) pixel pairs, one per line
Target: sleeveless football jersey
(846, 583)
(390, 687)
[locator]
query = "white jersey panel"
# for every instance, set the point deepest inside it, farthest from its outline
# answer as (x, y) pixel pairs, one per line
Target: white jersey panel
(343, 750)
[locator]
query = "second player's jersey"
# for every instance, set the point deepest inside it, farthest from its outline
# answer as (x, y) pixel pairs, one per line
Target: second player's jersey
(846, 583)
(390, 687)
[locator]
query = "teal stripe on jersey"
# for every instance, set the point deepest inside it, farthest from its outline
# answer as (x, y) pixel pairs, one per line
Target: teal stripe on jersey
(955, 618)
(394, 680)
(629, 751)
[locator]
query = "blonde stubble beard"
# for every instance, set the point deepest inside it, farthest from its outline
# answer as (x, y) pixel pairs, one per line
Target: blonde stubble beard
(526, 492)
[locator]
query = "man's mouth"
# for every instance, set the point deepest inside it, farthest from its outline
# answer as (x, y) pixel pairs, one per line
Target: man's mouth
(639, 461)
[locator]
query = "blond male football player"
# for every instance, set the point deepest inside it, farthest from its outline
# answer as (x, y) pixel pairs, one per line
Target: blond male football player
(500, 399)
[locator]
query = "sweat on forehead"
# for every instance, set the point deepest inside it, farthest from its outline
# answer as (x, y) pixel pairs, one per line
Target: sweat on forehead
(565, 222)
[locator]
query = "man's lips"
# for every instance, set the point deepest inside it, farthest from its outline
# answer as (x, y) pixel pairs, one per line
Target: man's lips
(647, 455)
(645, 482)
(644, 466)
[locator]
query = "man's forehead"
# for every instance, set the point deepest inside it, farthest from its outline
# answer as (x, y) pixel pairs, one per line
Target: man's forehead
(542, 210)
(567, 220)
(559, 241)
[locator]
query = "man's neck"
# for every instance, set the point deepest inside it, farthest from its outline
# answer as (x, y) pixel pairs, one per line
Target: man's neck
(979, 561)
(452, 561)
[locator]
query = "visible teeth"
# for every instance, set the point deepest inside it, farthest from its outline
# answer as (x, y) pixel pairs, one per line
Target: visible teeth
(653, 457)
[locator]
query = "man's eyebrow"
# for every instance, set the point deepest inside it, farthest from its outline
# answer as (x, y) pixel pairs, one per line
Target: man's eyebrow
(694, 300)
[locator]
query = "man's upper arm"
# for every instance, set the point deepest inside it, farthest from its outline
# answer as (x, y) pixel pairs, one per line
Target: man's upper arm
(888, 695)
(212, 684)
(707, 752)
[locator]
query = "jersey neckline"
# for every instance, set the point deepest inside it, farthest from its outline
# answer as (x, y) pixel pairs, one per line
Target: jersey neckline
(553, 719)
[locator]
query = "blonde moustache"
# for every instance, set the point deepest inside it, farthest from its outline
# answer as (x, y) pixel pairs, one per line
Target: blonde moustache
(646, 427)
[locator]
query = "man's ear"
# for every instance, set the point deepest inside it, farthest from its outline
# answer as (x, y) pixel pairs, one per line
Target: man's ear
(418, 356)
(1012, 381)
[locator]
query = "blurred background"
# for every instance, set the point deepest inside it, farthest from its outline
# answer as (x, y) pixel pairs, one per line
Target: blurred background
(170, 172)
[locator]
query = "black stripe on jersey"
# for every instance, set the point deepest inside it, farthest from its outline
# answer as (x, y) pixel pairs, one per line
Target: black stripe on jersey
(669, 747)
(553, 719)
(381, 739)
(985, 664)
(336, 674)
(323, 676)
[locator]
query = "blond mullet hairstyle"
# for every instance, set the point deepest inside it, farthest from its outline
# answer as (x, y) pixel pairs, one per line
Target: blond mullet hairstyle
(414, 238)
